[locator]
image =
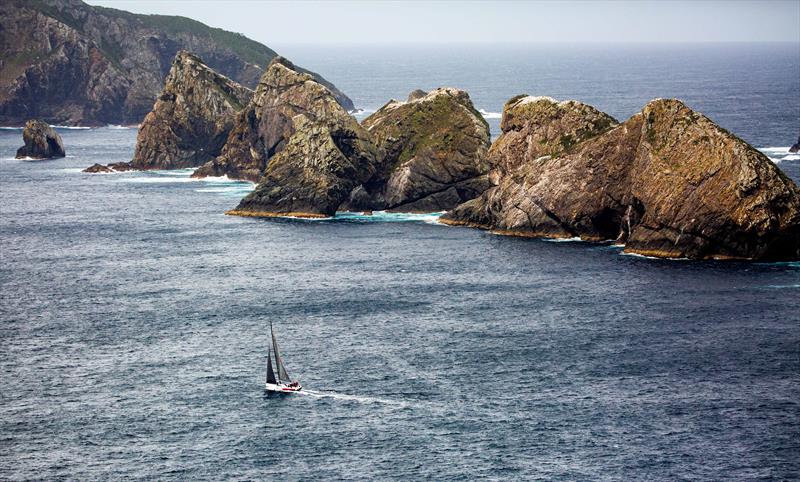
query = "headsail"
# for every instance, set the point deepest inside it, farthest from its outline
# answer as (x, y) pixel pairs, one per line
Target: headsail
(283, 375)
(270, 372)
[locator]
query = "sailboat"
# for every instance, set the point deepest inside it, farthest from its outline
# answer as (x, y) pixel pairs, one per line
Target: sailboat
(282, 382)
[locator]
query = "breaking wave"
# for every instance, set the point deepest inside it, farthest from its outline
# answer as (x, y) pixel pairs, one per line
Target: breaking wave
(563, 240)
(779, 154)
(490, 115)
(386, 217)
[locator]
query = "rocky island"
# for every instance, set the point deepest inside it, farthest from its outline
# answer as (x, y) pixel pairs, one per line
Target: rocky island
(312, 151)
(434, 149)
(41, 141)
(667, 182)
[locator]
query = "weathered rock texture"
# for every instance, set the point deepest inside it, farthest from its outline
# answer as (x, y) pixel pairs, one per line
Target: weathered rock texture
(191, 119)
(264, 127)
(41, 141)
(435, 147)
(668, 182)
(67, 62)
(315, 153)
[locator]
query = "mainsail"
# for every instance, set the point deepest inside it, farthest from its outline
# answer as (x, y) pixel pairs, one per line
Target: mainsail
(283, 375)
(270, 372)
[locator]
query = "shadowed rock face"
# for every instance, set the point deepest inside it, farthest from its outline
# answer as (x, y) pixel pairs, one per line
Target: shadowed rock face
(67, 62)
(191, 119)
(435, 147)
(668, 182)
(41, 141)
(315, 153)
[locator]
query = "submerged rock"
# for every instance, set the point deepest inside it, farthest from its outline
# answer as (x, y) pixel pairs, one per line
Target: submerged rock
(98, 168)
(434, 146)
(113, 167)
(796, 146)
(191, 119)
(315, 153)
(41, 141)
(668, 182)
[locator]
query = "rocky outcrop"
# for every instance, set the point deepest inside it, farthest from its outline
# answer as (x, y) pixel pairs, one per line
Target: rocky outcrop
(41, 141)
(113, 167)
(315, 153)
(434, 146)
(264, 127)
(533, 127)
(191, 119)
(67, 62)
(668, 182)
(795, 147)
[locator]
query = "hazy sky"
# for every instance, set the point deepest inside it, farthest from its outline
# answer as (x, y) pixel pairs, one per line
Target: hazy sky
(283, 22)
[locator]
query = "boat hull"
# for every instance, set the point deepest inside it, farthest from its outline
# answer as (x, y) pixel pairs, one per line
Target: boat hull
(280, 388)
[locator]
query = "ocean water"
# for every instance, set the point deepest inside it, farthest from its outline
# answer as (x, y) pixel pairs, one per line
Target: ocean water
(134, 315)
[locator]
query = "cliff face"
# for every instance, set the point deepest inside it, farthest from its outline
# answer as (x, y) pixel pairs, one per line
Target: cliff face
(435, 147)
(668, 182)
(539, 126)
(263, 128)
(41, 141)
(191, 119)
(71, 63)
(315, 152)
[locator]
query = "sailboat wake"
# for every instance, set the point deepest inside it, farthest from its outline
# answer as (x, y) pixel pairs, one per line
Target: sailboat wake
(353, 398)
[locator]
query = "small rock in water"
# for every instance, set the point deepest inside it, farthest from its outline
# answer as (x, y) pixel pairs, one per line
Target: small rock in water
(95, 168)
(113, 167)
(41, 141)
(796, 146)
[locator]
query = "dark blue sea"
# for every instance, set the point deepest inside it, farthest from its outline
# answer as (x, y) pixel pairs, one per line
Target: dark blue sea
(134, 315)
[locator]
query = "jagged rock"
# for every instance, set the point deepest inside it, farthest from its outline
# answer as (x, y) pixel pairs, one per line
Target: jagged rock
(264, 127)
(41, 141)
(71, 63)
(191, 119)
(113, 167)
(316, 152)
(416, 94)
(435, 147)
(98, 168)
(668, 182)
(796, 146)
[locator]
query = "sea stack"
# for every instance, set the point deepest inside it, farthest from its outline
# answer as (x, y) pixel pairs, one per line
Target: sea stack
(191, 118)
(264, 126)
(41, 141)
(312, 151)
(434, 154)
(667, 182)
